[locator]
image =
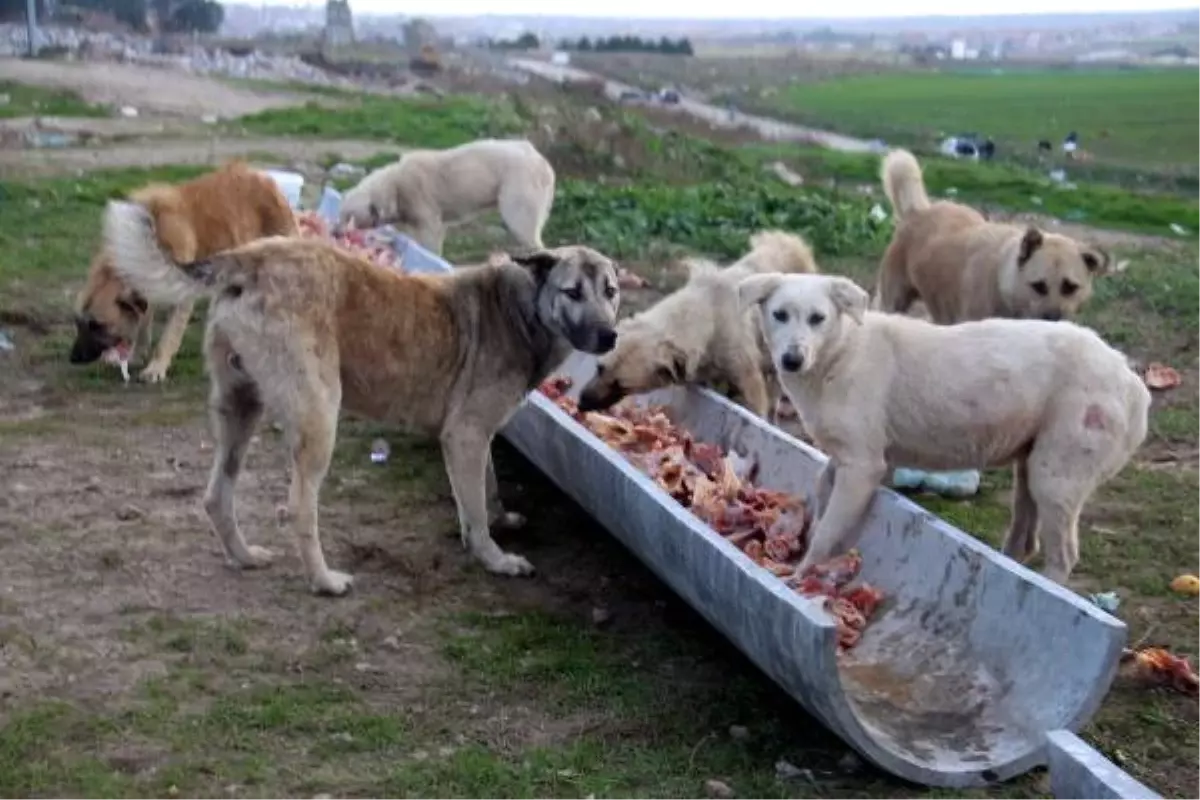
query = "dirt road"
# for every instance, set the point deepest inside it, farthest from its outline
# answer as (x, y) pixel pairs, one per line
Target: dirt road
(160, 152)
(770, 129)
(150, 90)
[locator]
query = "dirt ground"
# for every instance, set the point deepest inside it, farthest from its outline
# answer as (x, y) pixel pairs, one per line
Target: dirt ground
(210, 150)
(154, 91)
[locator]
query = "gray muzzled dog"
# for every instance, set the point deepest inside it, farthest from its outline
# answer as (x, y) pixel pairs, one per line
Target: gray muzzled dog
(305, 328)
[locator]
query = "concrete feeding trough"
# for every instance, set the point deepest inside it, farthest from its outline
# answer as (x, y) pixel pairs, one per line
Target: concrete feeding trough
(975, 669)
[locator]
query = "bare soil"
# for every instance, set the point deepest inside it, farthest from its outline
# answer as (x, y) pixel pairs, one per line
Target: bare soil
(150, 90)
(25, 163)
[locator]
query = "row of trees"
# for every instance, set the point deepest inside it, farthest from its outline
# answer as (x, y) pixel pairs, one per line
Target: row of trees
(631, 44)
(175, 16)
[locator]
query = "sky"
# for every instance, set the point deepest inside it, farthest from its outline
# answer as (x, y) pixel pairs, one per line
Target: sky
(760, 9)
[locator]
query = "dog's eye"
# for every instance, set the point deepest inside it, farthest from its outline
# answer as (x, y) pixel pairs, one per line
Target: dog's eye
(1040, 287)
(815, 319)
(1069, 288)
(599, 370)
(780, 315)
(575, 292)
(610, 292)
(127, 308)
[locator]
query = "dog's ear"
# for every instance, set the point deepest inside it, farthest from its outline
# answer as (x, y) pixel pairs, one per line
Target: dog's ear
(134, 304)
(1030, 242)
(539, 262)
(758, 288)
(672, 363)
(849, 297)
(1099, 262)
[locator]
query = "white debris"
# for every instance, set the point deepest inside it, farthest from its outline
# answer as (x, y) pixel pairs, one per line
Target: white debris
(877, 213)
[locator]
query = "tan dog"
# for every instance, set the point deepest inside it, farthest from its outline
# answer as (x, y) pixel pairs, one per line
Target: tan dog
(876, 391)
(303, 328)
(426, 190)
(965, 268)
(223, 209)
(700, 334)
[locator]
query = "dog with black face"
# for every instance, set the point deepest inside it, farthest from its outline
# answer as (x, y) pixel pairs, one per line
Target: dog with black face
(304, 328)
(224, 208)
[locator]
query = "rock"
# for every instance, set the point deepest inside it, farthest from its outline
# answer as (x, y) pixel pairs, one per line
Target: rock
(210, 119)
(787, 771)
(129, 512)
(129, 112)
(392, 642)
(716, 788)
(850, 763)
(739, 733)
(601, 616)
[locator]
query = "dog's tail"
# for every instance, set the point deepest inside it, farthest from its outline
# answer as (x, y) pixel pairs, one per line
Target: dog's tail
(133, 246)
(778, 251)
(903, 183)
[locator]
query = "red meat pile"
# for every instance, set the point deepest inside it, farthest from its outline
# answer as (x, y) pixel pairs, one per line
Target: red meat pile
(371, 245)
(769, 527)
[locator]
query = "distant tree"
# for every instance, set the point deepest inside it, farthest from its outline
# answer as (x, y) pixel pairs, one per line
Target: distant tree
(584, 43)
(684, 47)
(130, 12)
(196, 16)
(527, 41)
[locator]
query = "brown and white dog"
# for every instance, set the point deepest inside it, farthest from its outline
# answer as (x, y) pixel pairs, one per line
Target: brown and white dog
(193, 220)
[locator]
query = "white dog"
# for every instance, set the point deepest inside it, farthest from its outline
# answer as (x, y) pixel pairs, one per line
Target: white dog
(877, 391)
(426, 190)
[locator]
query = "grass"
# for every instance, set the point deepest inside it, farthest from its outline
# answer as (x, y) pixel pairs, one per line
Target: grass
(35, 101)
(425, 122)
(523, 695)
(1007, 186)
(1144, 117)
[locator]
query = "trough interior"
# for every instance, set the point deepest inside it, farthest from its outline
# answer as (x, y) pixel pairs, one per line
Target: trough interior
(961, 668)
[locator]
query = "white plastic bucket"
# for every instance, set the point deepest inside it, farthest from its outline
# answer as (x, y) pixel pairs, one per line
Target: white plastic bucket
(290, 183)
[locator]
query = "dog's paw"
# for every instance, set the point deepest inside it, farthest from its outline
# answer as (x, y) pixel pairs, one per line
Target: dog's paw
(259, 557)
(332, 583)
(510, 521)
(511, 565)
(154, 372)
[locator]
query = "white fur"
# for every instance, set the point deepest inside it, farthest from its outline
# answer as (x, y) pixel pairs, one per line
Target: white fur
(877, 391)
(427, 190)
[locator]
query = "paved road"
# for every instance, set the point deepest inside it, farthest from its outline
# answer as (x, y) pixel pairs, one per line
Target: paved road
(770, 129)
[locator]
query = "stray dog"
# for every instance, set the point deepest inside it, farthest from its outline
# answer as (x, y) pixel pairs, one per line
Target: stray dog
(965, 268)
(700, 334)
(426, 190)
(882, 390)
(304, 328)
(222, 209)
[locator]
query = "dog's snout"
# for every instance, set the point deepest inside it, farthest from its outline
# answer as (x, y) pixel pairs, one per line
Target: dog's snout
(606, 339)
(792, 362)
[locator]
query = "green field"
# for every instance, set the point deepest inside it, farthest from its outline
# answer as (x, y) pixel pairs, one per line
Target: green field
(1145, 118)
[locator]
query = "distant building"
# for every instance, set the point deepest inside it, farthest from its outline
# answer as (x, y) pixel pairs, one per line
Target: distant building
(958, 49)
(339, 24)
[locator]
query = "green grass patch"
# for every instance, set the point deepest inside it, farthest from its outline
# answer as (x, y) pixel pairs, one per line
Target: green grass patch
(1142, 117)
(711, 218)
(1008, 186)
(417, 121)
(36, 101)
